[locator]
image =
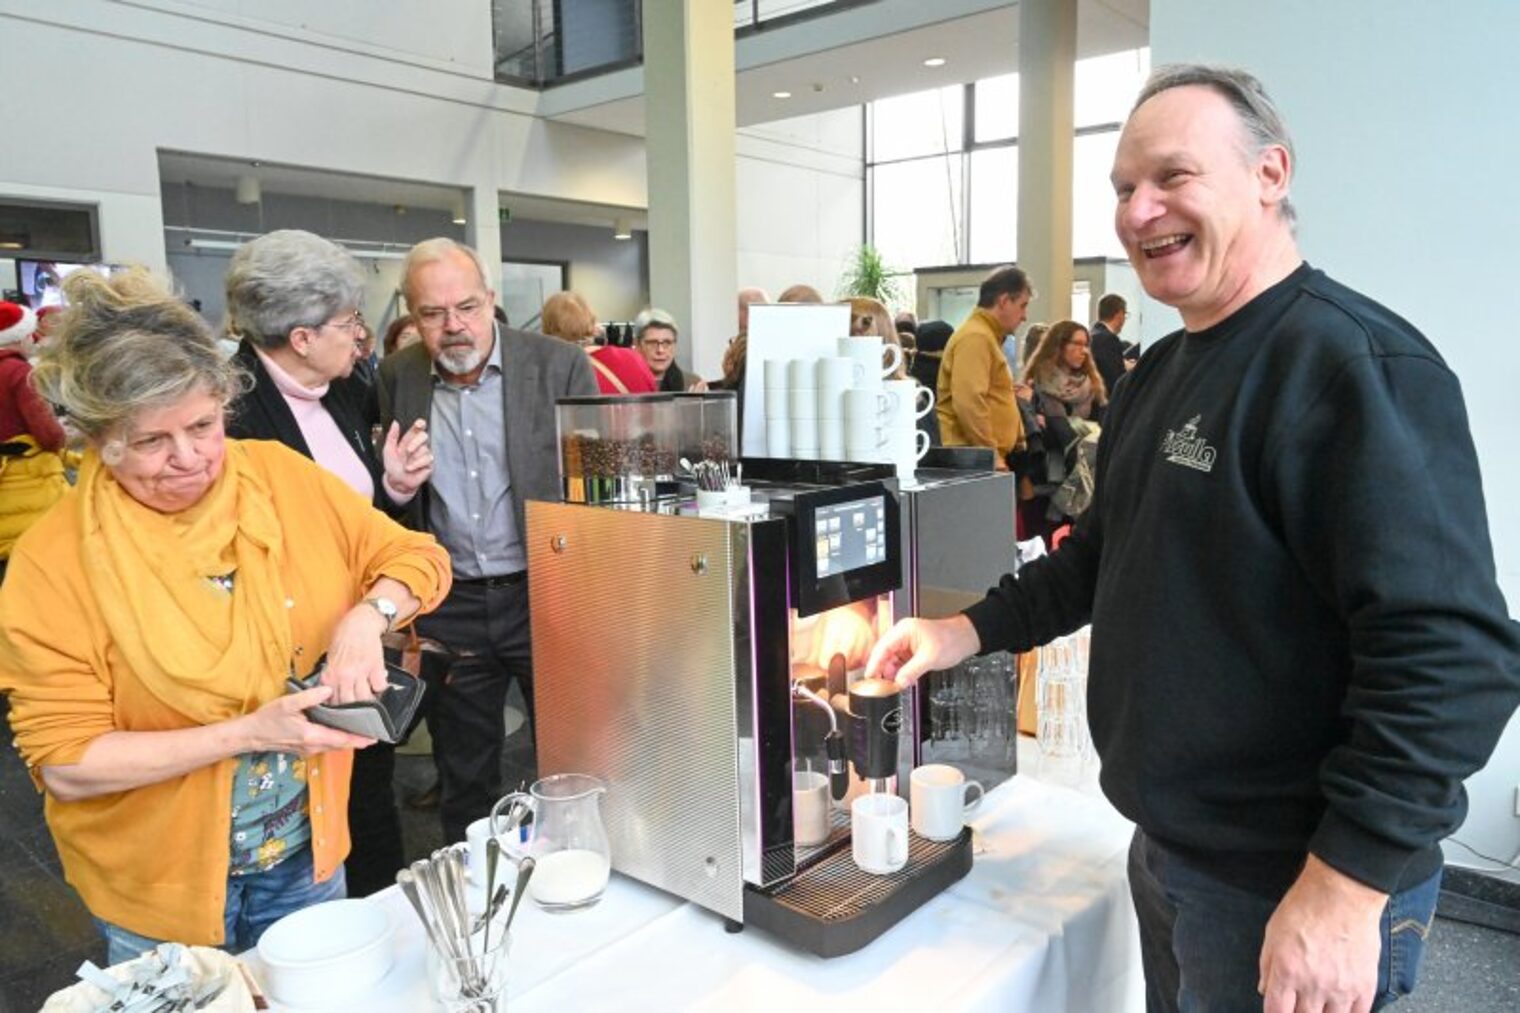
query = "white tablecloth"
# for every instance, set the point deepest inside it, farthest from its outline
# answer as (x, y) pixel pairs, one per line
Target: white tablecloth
(1043, 922)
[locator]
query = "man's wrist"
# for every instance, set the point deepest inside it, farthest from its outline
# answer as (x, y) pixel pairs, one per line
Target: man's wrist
(1320, 874)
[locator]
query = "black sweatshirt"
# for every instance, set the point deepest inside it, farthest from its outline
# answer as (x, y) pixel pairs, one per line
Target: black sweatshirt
(1298, 640)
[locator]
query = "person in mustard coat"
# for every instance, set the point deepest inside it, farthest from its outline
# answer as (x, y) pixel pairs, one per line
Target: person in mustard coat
(149, 621)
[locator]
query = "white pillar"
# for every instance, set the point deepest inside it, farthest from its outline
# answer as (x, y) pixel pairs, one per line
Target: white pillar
(1047, 55)
(689, 136)
(482, 230)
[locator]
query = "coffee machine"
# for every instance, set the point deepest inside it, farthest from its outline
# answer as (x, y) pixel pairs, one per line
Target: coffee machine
(696, 661)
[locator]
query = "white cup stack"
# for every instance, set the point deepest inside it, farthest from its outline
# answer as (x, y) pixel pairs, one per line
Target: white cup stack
(867, 421)
(906, 444)
(802, 402)
(778, 429)
(835, 375)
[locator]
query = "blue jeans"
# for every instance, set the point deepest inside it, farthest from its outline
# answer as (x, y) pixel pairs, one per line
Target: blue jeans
(1201, 938)
(254, 902)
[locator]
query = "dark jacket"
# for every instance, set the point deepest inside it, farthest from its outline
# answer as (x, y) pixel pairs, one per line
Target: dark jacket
(262, 414)
(536, 371)
(1107, 350)
(1299, 643)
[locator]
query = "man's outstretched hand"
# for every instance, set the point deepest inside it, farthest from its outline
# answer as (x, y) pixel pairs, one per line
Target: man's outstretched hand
(916, 646)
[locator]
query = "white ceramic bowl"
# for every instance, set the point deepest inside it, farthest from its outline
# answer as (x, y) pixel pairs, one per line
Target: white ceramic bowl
(327, 953)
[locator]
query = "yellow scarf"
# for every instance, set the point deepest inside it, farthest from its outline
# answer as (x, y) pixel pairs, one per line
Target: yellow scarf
(200, 651)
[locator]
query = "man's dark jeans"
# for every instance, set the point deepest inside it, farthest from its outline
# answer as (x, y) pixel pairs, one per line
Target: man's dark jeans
(1201, 938)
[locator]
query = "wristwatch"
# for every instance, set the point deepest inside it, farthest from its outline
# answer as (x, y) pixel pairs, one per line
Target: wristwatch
(387, 610)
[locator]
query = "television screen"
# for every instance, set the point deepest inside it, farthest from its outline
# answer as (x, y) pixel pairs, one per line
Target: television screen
(41, 281)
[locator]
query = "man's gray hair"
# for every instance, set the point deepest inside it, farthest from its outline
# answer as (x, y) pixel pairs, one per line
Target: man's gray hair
(288, 279)
(1263, 124)
(430, 251)
(654, 317)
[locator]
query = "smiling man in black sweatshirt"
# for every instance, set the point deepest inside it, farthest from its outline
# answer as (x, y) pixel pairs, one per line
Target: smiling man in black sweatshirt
(1299, 646)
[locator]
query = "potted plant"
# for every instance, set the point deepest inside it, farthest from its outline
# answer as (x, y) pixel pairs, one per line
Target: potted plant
(867, 274)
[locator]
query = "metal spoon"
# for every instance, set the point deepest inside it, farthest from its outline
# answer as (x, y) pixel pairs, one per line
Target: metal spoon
(493, 908)
(409, 886)
(524, 873)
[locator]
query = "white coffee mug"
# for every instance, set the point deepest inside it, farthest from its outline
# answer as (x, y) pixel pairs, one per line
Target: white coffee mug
(829, 402)
(871, 353)
(831, 439)
(475, 836)
(879, 833)
(775, 374)
(804, 433)
(810, 808)
(778, 437)
(777, 402)
(940, 805)
(913, 397)
(839, 372)
(799, 374)
(802, 403)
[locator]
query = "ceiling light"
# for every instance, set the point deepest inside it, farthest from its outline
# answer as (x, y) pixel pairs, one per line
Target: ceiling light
(621, 229)
(456, 210)
(248, 190)
(11, 244)
(781, 94)
(935, 61)
(212, 244)
(854, 78)
(379, 254)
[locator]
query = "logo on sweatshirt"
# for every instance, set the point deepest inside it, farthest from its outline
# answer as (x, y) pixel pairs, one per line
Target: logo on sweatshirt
(1185, 447)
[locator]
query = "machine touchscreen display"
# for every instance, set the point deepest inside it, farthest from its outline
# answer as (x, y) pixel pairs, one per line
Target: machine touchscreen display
(850, 535)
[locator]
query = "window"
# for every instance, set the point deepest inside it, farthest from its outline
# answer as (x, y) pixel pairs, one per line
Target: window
(941, 194)
(994, 205)
(924, 123)
(917, 208)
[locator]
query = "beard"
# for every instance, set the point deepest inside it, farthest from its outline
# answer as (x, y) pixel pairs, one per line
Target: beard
(461, 360)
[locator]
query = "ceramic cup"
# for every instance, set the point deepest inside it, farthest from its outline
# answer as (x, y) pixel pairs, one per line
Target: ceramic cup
(799, 374)
(879, 833)
(778, 437)
(775, 374)
(877, 359)
(940, 801)
(810, 807)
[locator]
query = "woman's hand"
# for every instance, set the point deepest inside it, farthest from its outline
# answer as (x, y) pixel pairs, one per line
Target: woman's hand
(355, 661)
(408, 460)
(697, 386)
(1024, 391)
(281, 726)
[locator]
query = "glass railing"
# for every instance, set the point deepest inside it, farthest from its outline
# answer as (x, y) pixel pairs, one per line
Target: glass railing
(544, 42)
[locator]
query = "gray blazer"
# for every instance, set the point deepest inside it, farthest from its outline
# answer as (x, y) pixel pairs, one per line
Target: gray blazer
(536, 371)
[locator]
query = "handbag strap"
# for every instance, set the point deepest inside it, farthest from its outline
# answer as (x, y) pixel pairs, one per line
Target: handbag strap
(606, 371)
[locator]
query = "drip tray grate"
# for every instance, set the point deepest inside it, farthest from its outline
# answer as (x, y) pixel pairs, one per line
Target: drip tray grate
(832, 907)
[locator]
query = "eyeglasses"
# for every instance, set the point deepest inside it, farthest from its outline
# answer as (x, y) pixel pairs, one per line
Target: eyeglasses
(659, 344)
(354, 323)
(434, 317)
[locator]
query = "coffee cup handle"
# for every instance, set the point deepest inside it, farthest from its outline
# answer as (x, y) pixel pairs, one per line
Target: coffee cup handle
(970, 806)
(922, 439)
(507, 826)
(894, 354)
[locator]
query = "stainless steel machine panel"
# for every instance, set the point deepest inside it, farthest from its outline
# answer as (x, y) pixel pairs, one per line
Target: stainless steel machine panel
(667, 740)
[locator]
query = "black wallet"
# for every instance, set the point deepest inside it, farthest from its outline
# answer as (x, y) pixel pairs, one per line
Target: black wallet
(385, 717)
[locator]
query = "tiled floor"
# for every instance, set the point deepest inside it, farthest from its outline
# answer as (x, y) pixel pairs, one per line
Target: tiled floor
(45, 932)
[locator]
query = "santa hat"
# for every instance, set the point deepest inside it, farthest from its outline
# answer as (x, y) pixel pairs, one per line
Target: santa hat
(16, 323)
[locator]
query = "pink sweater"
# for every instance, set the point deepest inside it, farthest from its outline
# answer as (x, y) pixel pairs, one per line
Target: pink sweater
(328, 446)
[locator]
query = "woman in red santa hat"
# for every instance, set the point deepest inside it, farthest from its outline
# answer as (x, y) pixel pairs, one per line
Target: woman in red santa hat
(31, 439)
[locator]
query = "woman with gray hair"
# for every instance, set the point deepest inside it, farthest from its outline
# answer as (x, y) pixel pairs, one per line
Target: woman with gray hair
(655, 335)
(293, 302)
(150, 620)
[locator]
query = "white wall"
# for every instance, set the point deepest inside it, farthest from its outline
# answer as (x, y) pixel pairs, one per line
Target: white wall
(610, 273)
(1402, 112)
(801, 200)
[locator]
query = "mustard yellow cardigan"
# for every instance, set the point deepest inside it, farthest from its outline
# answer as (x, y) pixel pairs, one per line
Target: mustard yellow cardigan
(154, 859)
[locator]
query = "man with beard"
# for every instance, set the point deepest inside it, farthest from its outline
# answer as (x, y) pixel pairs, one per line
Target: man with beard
(487, 395)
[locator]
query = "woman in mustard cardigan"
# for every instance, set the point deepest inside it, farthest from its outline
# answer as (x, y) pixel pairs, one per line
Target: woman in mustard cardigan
(149, 621)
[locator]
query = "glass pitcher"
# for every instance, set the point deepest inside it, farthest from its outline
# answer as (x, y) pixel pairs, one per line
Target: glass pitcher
(568, 844)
